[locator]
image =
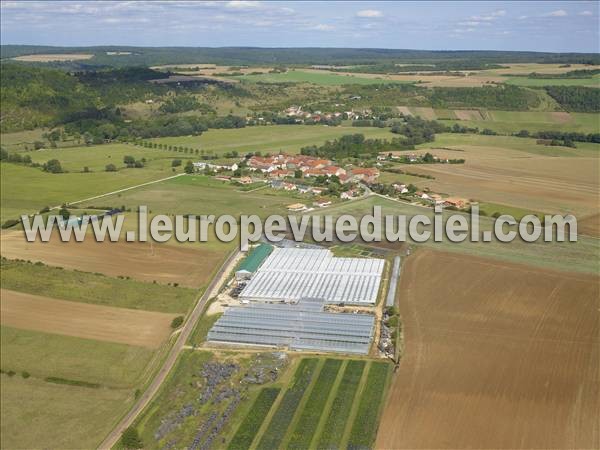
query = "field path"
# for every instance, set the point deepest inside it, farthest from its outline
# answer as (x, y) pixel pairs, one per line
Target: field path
(121, 190)
(171, 359)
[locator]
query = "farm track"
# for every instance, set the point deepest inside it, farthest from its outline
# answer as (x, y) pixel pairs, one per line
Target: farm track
(173, 354)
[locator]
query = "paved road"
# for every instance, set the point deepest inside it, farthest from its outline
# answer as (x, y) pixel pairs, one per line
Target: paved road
(161, 375)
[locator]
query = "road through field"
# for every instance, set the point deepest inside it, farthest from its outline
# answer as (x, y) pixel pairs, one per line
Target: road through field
(171, 359)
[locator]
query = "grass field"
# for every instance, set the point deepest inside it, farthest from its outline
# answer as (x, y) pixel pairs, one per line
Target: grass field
(577, 256)
(540, 82)
(44, 189)
(271, 138)
(509, 344)
(35, 413)
(95, 288)
(315, 77)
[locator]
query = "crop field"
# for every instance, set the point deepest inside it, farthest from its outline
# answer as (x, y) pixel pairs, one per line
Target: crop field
(319, 77)
(102, 323)
(45, 189)
(50, 57)
(182, 264)
(515, 171)
(199, 194)
(207, 396)
(508, 345)
(38, 412)
(95, 288)
(540, 82)
(272, 139)
(578, 256)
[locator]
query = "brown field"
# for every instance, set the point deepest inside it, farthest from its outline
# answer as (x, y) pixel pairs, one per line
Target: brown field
(404, 110)
(468, 114)
(561, 117)
(424, 112)
(102, 323)
(49, 57)
(589, 225)
(524, 177)
(527, 68)
(497, 355)
(163, 263)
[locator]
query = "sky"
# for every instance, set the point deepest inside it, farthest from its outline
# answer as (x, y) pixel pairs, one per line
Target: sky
(571, 26)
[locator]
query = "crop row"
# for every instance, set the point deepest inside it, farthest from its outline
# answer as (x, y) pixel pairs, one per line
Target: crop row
(284, 414)
(364, 427)
(309, 419)
(342, 404)
(252, 422)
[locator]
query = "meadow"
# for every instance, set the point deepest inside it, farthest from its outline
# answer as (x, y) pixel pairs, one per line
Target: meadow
(270, 138)
(540, 82)
(315, 77)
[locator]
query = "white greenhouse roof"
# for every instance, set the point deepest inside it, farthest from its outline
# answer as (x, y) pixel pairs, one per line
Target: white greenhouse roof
(289, 274)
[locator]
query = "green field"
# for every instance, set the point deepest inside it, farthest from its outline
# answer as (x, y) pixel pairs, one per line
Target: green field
(325, 78)
(35, 412)
(43, 189)
(578, 256)
(94, 288)
(269, 138)
(199, 194)
(540, 82)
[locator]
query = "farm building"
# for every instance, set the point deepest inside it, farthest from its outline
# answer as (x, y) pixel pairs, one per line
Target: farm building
(255, 258)
(300, 326)
(290, 274)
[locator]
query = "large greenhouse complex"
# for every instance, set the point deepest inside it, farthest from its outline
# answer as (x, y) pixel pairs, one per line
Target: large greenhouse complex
(298, 326)
(290, 274)
(283, 293)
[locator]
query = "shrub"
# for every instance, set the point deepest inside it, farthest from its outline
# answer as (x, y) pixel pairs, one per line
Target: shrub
(131, 439)
(177, 322)
(25, 374)
(110, 168)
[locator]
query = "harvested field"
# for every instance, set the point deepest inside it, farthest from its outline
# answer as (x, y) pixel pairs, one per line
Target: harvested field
(589, 225)
(404, 110)
(508, 357)
(468, 114)
(51, 57)
(163, 263)
(561, 117)
(102, 323)
(424, 112)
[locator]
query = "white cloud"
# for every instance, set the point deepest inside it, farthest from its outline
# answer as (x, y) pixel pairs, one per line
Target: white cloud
(469, 23)
(522, 17)
(323, 27)
(557, 13)
(499, 13)
(586, 13)
(242, 4)
(369, 13)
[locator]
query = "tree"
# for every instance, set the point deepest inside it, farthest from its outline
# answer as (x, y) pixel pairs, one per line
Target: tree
(64, 212)
(86, 169)
(297, 173)
(53, 166)
(110, 168)
(129, 160)
(38, 145)
(131, 439)
(176, 163)
(177, 322)
(189, 167)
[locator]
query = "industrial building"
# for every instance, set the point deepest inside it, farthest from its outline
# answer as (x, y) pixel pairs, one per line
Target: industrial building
(298, 326)
(289, 274)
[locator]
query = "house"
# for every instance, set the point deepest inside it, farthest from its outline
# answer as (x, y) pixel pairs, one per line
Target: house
(303, 189)
(456, 202)
(349, 194)
(289, 186)
(333, 170)
(322, 202)
(245, 180)
(317, 190)
(223, 178)
(280, 173)
(296, 207)
(368, 175)
(277, 184)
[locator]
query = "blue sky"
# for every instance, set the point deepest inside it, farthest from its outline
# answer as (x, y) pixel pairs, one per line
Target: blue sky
(538, 25)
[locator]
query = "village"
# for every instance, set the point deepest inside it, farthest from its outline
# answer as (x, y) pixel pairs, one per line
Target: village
(321, 178)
